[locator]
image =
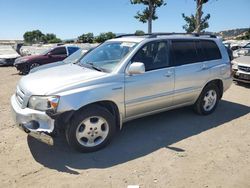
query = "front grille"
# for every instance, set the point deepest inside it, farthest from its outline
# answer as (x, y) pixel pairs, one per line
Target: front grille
(20, 96)
(244, 68)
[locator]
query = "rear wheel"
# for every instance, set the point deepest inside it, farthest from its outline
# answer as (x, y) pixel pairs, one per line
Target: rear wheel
(91, 129)
(208, 100)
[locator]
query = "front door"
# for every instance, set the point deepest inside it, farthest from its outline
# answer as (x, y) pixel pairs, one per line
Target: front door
(153, 89)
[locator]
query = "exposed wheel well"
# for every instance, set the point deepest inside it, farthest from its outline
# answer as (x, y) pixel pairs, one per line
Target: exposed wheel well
(219, 84)
(112, 108)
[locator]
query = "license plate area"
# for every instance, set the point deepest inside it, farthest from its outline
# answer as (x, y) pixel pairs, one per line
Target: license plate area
(244, 76)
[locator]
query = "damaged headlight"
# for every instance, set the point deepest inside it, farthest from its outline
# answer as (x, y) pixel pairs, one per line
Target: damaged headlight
(43, 103)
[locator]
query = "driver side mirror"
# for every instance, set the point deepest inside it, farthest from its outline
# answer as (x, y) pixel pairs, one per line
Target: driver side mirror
(49, 54)
(136, 68)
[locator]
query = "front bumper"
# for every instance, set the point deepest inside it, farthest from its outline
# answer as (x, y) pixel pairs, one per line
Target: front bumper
(36, 123)
(241, 76)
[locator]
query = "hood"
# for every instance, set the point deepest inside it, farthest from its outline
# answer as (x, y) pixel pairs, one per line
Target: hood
(58, 78)
(46, 66)
(24, 59)
(244, 60)
(9, 56)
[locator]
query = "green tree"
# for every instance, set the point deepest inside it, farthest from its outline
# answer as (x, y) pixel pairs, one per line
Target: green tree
(195, 23)
(149, 13)
(36, 36)
(104, 36)
(86, 38)
(139, 32)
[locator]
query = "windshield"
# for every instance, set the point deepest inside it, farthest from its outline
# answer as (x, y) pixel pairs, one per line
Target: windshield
(75, 57)
(107, 56)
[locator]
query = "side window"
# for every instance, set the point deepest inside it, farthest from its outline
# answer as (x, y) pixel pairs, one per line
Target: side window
(184, 52)
(154, 55)
(72, 50)
(211, 50)
(59, 51)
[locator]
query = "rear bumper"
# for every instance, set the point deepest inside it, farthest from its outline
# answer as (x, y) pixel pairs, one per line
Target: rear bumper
(35, 123)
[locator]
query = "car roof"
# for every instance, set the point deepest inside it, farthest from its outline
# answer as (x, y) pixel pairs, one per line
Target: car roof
(139, 39)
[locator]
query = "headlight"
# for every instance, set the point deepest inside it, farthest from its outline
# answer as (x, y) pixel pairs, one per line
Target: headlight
(234, 65)
(43, 103)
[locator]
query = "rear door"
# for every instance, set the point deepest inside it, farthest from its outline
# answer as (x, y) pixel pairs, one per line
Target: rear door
(152, 90)
(191, 70)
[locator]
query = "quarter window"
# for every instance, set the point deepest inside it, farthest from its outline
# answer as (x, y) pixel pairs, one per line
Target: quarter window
(211, 50)
(154, 55)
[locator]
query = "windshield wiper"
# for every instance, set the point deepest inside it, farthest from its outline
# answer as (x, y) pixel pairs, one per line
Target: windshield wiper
(91, 65)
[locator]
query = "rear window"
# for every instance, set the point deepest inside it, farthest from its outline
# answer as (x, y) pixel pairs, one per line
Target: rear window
(193, 51)
(210, 49)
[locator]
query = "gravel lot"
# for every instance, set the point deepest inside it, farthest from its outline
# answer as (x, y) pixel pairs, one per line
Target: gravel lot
(171, 149)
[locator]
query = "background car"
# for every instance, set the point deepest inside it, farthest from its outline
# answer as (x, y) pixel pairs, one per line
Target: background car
(7, 55)
(241, 68)
(25, 64)
(73, 58)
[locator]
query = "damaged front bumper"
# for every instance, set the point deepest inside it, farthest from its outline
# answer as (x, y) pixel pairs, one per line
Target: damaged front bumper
(35, 123)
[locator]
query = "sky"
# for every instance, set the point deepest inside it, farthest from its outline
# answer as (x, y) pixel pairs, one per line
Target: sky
(70, 18)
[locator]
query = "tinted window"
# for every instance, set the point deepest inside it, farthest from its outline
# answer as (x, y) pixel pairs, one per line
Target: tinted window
(71, 50)
(211, 50)
(184, 52)
(59, 51)
(247, 46)
(154, 55)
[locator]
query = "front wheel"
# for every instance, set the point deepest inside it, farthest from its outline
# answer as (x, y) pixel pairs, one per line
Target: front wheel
(208, 100)
(91, 129)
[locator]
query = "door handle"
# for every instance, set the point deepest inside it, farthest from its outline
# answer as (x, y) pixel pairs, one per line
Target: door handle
(204, 67)
(168, 74)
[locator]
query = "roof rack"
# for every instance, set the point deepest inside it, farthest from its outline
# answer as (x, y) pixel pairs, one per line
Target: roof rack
(154, 35)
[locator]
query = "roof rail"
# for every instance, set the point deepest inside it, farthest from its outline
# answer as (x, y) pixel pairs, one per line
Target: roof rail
(129, 35)
(154, 35)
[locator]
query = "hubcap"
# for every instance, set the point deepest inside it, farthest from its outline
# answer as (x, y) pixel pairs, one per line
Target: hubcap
(92, 131)
(209, 100)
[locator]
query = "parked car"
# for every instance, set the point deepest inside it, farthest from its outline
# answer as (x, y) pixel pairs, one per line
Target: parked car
(122, 79)
(242, 51)
(241, 68)
(59, 53)
(7, 55)
(73, 58)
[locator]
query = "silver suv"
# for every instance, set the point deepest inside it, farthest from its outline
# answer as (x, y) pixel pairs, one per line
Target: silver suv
(122, 79)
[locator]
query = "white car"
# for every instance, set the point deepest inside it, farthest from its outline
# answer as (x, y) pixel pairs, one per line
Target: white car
(241, 68)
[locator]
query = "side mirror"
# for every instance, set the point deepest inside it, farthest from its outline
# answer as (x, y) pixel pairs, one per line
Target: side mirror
(49, 54)
(136, 68)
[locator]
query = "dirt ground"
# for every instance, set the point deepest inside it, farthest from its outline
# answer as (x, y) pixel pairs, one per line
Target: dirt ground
(171, 149)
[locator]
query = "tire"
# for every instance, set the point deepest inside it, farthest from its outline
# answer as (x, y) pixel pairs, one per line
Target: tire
(208, 100)
(91, 129)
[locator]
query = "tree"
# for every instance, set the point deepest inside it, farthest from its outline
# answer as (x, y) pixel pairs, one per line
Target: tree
(149, 13)
(104, 36)
(197, 23)
(36, 36)
(86, 38)
(190, 25)
(139, 32)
